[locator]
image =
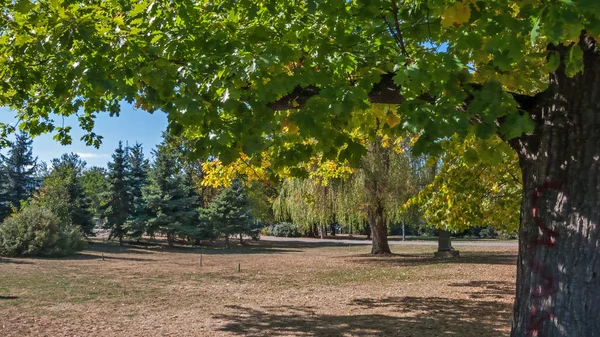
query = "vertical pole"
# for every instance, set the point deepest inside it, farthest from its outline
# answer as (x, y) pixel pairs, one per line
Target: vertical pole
(200, 260)
(239, 267)
(403, 232)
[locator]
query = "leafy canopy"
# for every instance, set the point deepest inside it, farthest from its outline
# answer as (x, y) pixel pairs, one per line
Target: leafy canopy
(471, 191)
(214, 67)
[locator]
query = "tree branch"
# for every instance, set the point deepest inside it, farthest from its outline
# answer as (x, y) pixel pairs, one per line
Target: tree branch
(383, 92)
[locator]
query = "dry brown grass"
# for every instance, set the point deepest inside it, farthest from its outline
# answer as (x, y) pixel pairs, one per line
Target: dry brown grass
(283, 289)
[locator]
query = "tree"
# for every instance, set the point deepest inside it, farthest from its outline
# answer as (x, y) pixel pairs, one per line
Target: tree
(137, 178)
(230, 213)
(63, 194)
(171, 207)
(371, 194)
(17, 173)
(119, 205)
(95, 184)
(525, 70)
(469, 191)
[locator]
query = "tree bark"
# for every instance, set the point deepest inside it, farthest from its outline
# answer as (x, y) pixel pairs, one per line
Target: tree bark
(241, 239)
(227, 240)
(170, 239)
(558, 283)
(378, 231)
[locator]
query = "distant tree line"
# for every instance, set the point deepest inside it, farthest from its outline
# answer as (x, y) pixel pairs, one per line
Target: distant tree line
(132, 198)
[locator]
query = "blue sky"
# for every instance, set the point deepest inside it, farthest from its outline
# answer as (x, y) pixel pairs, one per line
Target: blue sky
(132, 125)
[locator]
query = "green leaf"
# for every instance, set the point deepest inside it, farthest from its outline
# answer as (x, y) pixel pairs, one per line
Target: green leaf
(553, 61)
(574, 64)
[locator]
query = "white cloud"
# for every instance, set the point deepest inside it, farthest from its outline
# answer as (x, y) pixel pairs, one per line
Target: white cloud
(89, 155)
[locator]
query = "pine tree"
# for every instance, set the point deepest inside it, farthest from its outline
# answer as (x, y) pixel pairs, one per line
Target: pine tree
(137, 178)
(169, 202)
(230, 213)
(17, 174)
(119, 200)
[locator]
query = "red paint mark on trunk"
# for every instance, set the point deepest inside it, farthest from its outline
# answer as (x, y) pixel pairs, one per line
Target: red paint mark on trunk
(548, 285)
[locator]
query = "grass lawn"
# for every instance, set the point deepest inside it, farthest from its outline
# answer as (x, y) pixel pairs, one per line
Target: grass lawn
(283, 289)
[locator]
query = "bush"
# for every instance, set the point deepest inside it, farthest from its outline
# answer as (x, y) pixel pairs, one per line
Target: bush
(285, 229)
(486, 233)
(507, 235)
(36, 231)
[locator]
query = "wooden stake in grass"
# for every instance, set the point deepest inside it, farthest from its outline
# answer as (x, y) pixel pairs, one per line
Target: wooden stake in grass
(200, 260)
(239, 267)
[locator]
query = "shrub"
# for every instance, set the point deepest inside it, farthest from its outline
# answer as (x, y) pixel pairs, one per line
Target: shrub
(35, 231)
(508, 235)
(285, 229)
(486, 233)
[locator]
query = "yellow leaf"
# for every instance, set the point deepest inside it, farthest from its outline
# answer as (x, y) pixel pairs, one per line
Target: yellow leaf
(456, 15)
(393, 120)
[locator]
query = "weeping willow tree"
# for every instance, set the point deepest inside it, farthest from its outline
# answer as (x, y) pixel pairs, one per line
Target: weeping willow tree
(307, 202)
(372, 194)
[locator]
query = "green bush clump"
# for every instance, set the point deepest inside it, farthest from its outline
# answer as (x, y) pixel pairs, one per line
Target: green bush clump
(486, 233)
(285, 229)
(36, 231)
(507, 235)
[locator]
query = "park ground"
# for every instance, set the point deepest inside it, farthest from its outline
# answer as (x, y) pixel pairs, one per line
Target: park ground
(281, 289)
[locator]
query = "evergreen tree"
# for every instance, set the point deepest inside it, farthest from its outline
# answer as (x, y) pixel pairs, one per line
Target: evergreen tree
(137, 178)
(17, 174)
(62, 192)
(119, 200)
(230, 213)
(169, 202)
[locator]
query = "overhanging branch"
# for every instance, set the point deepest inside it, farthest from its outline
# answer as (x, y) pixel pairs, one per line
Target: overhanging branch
(383, 92)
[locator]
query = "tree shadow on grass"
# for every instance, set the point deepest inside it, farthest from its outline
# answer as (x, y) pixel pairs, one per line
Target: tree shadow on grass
(13, 261)
(408, 316)
(208, 248)
(496, 258)
(8, 297)
(86, 256)
(497, 289)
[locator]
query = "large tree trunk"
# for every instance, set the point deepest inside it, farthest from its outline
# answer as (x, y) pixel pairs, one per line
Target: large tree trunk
(558, 281)
(378, 231)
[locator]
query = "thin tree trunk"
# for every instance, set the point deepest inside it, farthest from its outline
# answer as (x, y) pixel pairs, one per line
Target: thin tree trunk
(227, 240)
(241, 239)
(558, 281)
(379, 231)
(170, 239)
(322, 232)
